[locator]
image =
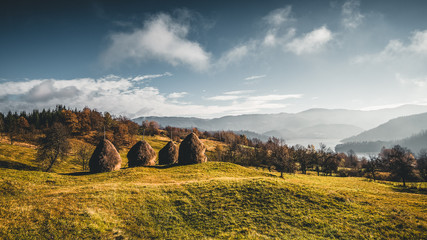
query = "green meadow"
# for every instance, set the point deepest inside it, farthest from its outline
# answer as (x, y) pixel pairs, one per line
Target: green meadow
(214, 200)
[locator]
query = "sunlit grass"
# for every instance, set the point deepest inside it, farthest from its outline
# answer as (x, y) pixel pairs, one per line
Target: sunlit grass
(203, 201)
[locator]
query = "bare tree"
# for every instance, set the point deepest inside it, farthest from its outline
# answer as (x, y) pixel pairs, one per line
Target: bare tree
(53, 146)
(84, 152)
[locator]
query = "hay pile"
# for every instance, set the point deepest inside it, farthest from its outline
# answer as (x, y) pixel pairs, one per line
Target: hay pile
(192, 150)
(141, 154)
(105, 158)
(168, 154)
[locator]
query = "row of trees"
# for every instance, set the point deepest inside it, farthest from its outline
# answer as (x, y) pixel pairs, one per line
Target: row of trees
(276, 154)
(398, 161)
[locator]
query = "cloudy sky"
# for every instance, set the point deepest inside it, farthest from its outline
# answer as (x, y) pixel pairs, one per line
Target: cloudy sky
(212, 58)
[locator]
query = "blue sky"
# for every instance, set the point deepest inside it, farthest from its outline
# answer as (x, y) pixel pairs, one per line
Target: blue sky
(212, 58)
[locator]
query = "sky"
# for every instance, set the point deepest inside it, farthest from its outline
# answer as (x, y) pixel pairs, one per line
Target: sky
(212, 58)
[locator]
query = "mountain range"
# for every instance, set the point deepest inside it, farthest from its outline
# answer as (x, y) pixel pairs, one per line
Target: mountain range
(394, 129)
(313, 124)
(408, 131)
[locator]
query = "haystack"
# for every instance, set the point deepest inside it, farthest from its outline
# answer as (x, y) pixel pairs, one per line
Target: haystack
(105, 158)
(141, 154)
(168, 154)
(192, 150)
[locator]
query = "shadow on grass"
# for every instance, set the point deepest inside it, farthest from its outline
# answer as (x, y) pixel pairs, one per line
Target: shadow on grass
(89, 173)
(410, 189)
(165, 166)
(77, 173)
(17, 166)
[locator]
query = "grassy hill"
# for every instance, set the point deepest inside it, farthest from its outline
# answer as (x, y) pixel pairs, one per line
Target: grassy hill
(204, 201)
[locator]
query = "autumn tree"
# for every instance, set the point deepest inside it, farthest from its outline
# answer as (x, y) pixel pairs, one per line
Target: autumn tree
(351, 161)
(84, 121)
(260, 154)
(150, 128)
(120, 136)
(71, 121)
(53, 146)
(301, 155)
(279, 156)
(330, 163)
(422, 164)
(319, 158)
(327, 160)
(96, 120)
(400, 162)
(22, 126)
(108, 121)
(372, 165)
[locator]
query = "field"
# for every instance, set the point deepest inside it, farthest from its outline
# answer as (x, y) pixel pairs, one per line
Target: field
(205, 201)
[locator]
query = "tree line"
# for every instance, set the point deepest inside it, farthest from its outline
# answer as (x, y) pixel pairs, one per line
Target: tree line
(88, 124)
(399, 162)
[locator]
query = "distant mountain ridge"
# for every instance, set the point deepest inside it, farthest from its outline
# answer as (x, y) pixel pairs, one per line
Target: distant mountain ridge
(320, 131)
(395, 129)
(415, 143)
(312, 123)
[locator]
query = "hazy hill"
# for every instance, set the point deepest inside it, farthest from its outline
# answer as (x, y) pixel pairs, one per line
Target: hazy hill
(394, 129)
(317, 123)
(415, 143)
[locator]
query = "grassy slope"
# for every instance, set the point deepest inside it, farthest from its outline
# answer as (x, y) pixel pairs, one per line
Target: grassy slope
(212, 200)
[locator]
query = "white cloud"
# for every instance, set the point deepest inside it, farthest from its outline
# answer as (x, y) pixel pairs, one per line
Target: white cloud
(255, 77)
(418, 42)
(397, 50)
(274, 97)
(228, 96)
(124, 96)
(276, 21)
(238, 92)
(235, 55)
(311, 42)
(151, 76)
(46, 91)
(245, 104)
(419, 82)
(279, 16)
(351, 16)
(225, 98)
(386, 106)
(162, 38)
(280, 33)
(175, 95)
(270, 39)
